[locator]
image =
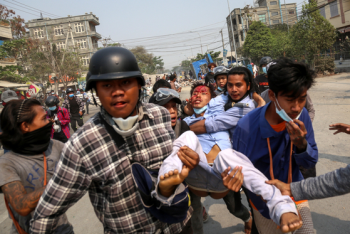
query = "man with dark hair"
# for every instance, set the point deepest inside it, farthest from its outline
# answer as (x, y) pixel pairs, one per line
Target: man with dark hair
(227, 109)
(279, 137)
(216, 153)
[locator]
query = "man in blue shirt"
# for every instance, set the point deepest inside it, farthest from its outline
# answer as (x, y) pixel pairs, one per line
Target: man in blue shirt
(228, 108)
(216, 154)
(278, 138)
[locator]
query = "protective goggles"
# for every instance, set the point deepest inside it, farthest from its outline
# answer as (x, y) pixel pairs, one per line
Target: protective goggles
(220, 69)
(164, 93)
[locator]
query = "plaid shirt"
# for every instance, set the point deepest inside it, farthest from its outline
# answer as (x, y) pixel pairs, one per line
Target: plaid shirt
(63, 117)
(66, 104)
(92, 162)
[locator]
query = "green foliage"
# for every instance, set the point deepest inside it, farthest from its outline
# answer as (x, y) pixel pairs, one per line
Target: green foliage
(313, 33)
(213, 55)
(258, 41)
(324, 64)
(281, 45)
(10, 73)
(186, 64)
(146, 61)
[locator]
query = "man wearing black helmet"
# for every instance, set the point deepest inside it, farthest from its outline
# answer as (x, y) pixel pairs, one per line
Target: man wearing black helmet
(261, 80)
(75, 107)
(98, 157)
(60, 118)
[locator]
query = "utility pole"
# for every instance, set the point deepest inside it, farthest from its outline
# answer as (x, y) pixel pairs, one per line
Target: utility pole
(223, 44)
(233, 35)
(285, 9)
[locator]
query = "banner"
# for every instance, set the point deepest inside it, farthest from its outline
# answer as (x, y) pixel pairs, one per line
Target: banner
(32, 90)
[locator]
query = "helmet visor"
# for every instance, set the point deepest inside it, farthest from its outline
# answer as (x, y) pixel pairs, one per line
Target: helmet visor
(220, 69)
(164, 93)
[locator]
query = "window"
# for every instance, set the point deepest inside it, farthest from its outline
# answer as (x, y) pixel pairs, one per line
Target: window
(79, 27)
(61, 45)
(323, 11)
(262, 3)
(274, 13)
(58, 30)
(334, 8)
(85, 60)
(273, 3)
(291, 12)
(275, 21)
(262, 18)
(81, 43)
(39, 33)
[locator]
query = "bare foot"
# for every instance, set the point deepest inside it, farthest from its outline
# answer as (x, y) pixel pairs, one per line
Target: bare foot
(168, 181)
(248, 225)
(290, 222)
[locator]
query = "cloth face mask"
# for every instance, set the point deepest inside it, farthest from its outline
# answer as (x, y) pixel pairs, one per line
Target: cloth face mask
(283, 114)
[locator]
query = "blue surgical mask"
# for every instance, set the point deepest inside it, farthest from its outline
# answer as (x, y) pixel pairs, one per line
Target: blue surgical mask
(264, 70)
(201, 110)
(71, 95)
(283, 114)
(52, 108)
(219, 88)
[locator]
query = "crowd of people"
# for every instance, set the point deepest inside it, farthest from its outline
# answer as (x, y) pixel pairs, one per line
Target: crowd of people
(146, 166)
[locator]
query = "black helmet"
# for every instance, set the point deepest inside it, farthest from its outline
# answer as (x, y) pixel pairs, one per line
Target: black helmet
(69, 90)
(112, 63)
(51, 101)
(265, 60)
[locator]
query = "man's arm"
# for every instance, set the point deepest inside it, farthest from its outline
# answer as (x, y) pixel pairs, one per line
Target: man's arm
(334, 183)
(81, 105)
(21, 201)
(65, 104)
(69, 183)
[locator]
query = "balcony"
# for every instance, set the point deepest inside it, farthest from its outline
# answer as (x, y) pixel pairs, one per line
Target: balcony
(95, 34)
(5, 31)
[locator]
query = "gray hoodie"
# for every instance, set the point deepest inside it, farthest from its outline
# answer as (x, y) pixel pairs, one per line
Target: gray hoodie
(332, 184)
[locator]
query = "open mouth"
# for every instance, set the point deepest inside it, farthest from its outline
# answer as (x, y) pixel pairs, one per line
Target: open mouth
(173, 119)
(119, 104)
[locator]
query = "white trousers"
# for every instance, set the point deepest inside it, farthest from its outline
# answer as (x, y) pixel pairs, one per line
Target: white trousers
(254, 180)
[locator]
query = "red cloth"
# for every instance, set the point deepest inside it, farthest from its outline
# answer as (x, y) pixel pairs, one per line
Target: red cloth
(63, 117)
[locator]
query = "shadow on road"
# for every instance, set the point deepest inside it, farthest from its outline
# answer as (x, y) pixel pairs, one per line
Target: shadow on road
(333, 225)
(341, 159)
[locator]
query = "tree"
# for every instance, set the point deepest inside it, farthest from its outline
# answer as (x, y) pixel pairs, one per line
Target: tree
(17, 23)
(312, 34)
(281, 45)
(144, 59)
(186, 64)
(158, 63)
(258, 41)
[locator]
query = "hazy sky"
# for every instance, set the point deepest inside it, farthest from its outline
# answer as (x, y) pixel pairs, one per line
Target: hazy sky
(162, 26)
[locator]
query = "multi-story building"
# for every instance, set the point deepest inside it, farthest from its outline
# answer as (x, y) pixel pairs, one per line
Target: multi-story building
(337, 12)
(83, 28)
(5, 35)
(269, 12)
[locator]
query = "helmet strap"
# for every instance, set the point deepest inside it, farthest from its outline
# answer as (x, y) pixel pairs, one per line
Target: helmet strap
(93, 98)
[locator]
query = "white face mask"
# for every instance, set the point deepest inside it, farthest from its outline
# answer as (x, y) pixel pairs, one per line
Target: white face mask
(126, 127)
(283, 114)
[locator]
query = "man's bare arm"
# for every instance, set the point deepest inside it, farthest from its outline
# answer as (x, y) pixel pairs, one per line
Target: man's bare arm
(199, 127)
(20, 201)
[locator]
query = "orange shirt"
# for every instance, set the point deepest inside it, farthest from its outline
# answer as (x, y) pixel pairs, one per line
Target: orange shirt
(279, 127)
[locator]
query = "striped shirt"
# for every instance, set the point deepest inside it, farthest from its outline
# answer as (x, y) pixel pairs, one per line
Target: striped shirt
(92, 161)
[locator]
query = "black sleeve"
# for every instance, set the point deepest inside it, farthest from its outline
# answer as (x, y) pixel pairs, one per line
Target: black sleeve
(184, 127)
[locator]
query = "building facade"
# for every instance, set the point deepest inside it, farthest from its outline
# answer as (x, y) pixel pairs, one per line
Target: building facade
(337, 12)
(269, 12)
(5, 35)
(60, 31)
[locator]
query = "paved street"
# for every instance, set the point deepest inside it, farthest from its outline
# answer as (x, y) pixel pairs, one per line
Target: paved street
(331, 97)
